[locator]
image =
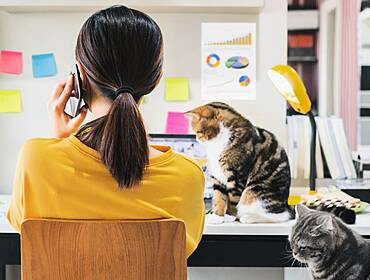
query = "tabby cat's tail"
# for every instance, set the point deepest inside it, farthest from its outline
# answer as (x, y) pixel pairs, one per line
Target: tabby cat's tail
(291, 210)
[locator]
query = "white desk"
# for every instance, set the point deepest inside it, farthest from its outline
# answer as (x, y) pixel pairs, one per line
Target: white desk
(362, 225)
(5, 227)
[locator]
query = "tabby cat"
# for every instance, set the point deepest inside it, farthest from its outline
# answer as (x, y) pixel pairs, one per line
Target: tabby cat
(331, 250)
(249, 169)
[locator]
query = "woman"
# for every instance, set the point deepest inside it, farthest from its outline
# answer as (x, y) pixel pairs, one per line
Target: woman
(106, 169)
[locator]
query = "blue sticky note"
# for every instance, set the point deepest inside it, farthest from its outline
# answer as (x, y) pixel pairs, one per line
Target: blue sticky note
(43, 65)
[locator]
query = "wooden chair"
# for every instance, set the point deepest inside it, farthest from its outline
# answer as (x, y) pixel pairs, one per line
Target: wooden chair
(54, 249)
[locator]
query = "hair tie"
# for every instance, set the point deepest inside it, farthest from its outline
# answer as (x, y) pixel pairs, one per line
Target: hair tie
(123, 89)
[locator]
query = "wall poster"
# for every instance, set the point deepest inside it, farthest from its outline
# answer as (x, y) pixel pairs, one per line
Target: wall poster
(228, 63)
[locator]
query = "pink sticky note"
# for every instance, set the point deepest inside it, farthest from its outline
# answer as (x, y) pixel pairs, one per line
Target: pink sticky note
(177, 123)
(11, 62)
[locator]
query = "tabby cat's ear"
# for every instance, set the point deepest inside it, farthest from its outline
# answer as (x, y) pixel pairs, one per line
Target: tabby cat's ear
(301, 210)
(192, 115)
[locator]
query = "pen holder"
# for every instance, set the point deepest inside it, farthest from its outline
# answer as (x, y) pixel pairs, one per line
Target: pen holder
(359, 168)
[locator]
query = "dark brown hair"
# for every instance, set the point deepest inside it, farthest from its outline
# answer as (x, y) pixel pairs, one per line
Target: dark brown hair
(120, 47)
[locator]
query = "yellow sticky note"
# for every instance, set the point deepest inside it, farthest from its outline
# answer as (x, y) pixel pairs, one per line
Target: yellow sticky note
(10, 101)
(177, 89)
(142, 100)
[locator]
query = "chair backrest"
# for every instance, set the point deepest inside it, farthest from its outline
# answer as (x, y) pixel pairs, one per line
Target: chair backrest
(103, 249)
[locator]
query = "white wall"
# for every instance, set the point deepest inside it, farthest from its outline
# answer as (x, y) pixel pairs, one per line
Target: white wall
(35, 33)
(32, 33)
(46, 32)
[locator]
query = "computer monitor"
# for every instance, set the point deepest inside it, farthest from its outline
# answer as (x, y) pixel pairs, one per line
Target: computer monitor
(188, 145)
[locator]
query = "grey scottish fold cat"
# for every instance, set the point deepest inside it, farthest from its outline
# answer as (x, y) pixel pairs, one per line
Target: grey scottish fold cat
(331, 250)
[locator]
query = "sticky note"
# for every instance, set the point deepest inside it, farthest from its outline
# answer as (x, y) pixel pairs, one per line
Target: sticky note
(142, 100)
(10, 101)
(177, 89)
(11, 62)
(43, 65)
(177, 123)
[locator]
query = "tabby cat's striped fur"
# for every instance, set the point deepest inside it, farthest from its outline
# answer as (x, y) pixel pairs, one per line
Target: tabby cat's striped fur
(331, 250)
(250, 169)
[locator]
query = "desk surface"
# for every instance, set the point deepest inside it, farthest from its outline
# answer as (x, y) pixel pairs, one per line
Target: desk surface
(362, 225)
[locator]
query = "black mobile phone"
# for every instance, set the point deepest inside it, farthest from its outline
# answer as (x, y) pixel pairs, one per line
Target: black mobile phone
(75, 102)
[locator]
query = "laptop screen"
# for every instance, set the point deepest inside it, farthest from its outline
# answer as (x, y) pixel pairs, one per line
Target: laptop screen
(187, 145)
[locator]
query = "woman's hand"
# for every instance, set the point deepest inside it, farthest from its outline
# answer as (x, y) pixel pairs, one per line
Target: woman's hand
(62, 124)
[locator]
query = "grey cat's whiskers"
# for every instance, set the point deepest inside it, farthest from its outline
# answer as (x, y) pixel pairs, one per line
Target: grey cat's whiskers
(288, 258)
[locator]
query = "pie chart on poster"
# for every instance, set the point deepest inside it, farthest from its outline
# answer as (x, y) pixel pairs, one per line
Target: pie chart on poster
(244, 81)
(237, 62)
(213, 60)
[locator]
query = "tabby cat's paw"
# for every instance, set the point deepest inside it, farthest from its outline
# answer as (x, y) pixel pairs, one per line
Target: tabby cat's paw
(229, 218)
(216, 219)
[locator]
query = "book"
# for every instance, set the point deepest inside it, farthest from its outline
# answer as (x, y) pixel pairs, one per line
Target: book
(303, 149)
(307, 146)
(334, 143)
(343, 149)
(292, 146)
(299, 151)
(319, 159)
(328, 151)
(332, 146)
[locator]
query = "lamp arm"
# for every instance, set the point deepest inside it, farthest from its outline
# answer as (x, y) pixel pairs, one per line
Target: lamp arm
(313, 152)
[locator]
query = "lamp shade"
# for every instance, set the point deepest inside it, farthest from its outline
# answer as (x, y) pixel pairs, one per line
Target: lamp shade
(290, 85)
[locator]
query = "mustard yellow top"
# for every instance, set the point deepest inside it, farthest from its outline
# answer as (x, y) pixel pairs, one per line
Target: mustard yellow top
(63, 178)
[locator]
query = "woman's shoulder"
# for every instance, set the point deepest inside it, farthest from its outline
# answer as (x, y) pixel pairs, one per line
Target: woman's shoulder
(166, 155)
(189, 177)
(189, 166)
(40, 143)
(35, 148)
(190, 162)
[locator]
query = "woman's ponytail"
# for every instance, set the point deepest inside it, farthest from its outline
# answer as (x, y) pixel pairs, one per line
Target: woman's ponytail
(121, 53)
(124, 145)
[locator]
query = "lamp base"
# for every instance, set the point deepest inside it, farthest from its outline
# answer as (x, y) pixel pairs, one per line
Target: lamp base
(312, 192)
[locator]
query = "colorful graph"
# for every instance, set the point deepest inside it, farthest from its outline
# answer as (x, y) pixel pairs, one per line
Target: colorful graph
(237, 62)
(213, 60)
(238, 41)
(244, 81)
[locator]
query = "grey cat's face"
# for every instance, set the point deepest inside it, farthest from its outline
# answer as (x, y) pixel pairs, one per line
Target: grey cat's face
(312, 239)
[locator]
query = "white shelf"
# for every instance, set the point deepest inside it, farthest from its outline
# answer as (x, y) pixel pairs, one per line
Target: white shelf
(161, 6)
(303, 19)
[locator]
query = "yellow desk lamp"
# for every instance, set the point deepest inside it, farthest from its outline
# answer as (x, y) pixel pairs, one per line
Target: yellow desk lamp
(290, 85)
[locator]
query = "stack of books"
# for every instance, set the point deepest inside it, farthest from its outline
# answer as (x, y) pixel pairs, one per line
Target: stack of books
(331, 148)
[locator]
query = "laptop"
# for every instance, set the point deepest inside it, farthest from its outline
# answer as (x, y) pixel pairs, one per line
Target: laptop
(187, 145)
